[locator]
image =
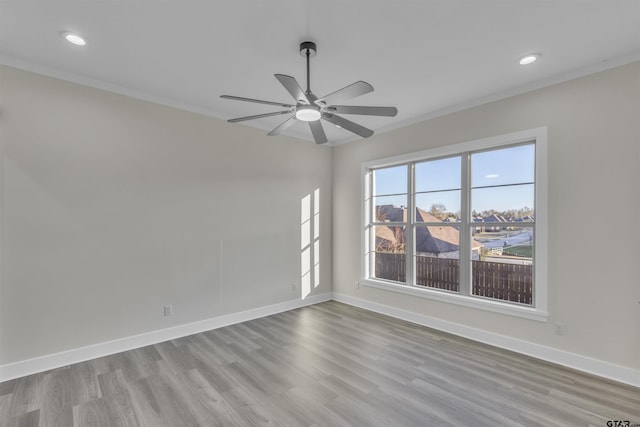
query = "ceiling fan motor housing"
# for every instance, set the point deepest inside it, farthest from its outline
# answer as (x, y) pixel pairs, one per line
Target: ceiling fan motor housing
(310, 46)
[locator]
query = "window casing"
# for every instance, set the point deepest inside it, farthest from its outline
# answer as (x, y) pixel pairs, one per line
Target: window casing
(434, 224)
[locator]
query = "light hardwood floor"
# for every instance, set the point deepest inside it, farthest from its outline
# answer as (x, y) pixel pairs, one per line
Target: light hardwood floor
(325, 365)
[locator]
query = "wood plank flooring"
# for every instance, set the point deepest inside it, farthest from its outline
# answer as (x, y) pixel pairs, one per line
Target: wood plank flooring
(324, 365)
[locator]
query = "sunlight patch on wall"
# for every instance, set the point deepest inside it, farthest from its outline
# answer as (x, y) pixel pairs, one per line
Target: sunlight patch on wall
(305, 246)
(316, 238)
(309, 243)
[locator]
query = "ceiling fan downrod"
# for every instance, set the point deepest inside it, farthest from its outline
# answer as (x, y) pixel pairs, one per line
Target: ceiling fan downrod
(308, 49)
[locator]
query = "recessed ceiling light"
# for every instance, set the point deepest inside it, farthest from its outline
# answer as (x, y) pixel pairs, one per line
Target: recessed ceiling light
(529, 59)
(74, 39)
(492, 176)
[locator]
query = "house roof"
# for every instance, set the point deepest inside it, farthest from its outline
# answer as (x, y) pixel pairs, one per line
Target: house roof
(429, 238)
(390, 213)
(495, 218)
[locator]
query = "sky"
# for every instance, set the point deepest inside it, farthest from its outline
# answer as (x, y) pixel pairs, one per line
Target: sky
(496, 180)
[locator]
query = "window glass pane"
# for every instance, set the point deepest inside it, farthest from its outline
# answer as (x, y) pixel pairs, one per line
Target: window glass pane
(506, 166)
(440, 241)
(390, 253)
(504, 270)
(437, 257)
(441, 174)
(438, 206)
(390, 208)
(390, 180)
(389, 239)
(512, 203)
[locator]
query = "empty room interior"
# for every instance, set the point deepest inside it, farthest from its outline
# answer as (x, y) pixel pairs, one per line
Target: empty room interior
(449, 239)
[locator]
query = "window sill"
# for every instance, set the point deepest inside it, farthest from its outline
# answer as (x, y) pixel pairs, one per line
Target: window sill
(530, 313)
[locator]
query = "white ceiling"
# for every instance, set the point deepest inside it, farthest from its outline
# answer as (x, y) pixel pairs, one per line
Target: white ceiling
(424, 57)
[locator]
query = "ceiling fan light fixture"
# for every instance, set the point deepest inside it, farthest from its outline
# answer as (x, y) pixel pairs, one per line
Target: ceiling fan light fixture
(308, 114)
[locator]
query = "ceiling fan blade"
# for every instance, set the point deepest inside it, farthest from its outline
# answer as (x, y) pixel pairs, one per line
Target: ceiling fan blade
(258, 101)
(258, 116)
(318, 132)
(292, 86)
(369, 111)
(282, 126)
(348, 125)
(355, 89)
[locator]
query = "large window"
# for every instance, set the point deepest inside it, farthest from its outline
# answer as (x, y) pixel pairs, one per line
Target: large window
(464, 224)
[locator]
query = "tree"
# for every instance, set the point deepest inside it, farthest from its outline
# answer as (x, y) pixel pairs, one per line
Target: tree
(438, 210)
(394, 243)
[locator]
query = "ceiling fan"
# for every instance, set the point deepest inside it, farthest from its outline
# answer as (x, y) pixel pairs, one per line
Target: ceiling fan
(309, 108)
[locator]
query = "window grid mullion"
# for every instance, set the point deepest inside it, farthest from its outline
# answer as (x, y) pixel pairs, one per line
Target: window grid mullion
(410, 232)
(371, 214)
(465, 228)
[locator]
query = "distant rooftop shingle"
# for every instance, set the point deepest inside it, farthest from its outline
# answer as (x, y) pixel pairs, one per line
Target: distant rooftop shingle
(429, 238)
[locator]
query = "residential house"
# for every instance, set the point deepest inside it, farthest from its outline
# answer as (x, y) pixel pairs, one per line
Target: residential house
(437, 241)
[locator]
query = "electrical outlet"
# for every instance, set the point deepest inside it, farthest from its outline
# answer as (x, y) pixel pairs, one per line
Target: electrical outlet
(168, 310)
(559, 328)
(357, 284)
(293, 287)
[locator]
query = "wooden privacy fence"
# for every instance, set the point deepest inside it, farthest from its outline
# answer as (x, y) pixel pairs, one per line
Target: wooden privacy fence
(390, 266)
(502, 281)
(439, 273)
(508, 282)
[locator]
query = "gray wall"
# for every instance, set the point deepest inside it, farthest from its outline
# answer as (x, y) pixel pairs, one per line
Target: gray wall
(113, 207)
(594, 202)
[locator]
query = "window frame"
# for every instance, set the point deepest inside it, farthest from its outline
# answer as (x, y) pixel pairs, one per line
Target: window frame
(539, 310)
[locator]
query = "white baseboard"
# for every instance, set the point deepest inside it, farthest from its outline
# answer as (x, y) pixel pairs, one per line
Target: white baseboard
(575, 361)
(76, 355)
(571, 360)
